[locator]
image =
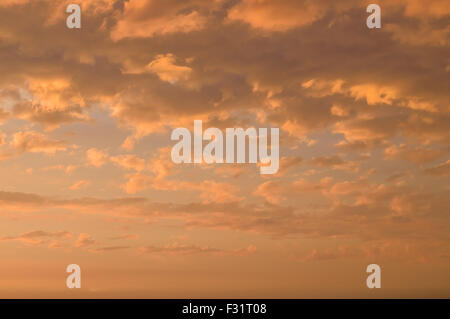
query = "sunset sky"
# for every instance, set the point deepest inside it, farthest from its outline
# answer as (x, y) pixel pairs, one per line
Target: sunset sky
(86, 175)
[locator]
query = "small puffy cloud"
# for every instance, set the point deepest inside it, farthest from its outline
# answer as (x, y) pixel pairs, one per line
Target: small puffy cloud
(84, 240)
(136, 183)
(374, 94)
(96, 157)
(129, 143)
(272, 191)
(130, 162)
(167, 70)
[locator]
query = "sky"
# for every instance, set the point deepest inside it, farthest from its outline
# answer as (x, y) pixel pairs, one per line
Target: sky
(87, 178)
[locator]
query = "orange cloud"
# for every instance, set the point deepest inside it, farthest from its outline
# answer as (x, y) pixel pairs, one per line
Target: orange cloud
(84, 240)
(164, 66)
(415, 155)
(37, 237)
(35, 142)
(142, 19)
(130, 162)
(96, 157)
(3, 115)
(277, 15)
(80, 184)
(440, 170)
(183, 249)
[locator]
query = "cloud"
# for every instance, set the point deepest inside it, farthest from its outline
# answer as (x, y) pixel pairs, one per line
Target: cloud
(303, 185)
(96, 157)
(415, 155)
(440, 170)
(13, 2)
(66, 168)
(352, 105)
(286, 163)
(234, 171)
(80, 184)
(35, 142)
(184, 249)
(358, 210)
(364, 132)
(371, 93)
(53, 102)
(2, 138)
(382, 250)
(129, 162)
(275, 191)
(277, 16)
(37, 237)
(160, 165)
(209, 191)
(215, 192)
(272, 191)
(419, 9)
(335, 162)
(137, 182)
(3, 115)
(84, 240)
(422, 29)
(145, 19)
(108, 249)
(166, 69)
(126, 237)
(422, 34)
(331, 254)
